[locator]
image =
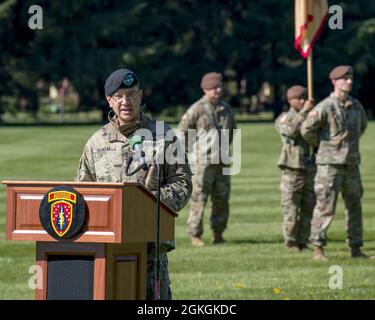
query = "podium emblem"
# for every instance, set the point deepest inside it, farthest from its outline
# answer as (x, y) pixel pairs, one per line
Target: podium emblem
(61, 216)
(62, 212)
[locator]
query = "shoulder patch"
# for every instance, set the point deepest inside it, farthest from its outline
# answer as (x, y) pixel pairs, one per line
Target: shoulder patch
(313, 113)
(283, 118)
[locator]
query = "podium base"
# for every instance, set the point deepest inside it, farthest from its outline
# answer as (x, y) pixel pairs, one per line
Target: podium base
(85, 271)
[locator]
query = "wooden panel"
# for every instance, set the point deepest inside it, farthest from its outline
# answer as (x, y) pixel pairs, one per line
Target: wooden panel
(126, 271)
(140, 220)
(126, 268)
(43, 249)
(11, 217)
(105, 212)
(42, 262)
(26, 205)
(103, 217)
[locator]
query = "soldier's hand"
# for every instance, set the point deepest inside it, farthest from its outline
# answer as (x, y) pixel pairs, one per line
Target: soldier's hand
(151, 178)
(308, 105)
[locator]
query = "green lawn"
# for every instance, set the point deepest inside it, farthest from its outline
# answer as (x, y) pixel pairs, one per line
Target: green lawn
(253, 264)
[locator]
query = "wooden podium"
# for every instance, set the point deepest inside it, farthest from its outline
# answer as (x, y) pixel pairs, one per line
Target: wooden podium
(108, 259)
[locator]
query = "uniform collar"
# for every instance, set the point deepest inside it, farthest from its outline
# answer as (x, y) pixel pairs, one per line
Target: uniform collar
(292, 111)
(218, 107)
(347, 104)
(122, 133)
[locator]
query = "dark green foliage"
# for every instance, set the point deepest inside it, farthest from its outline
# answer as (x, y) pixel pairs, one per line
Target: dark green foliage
(171, 43)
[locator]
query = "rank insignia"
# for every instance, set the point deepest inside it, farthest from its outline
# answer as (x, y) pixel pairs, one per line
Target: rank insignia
(129, 80)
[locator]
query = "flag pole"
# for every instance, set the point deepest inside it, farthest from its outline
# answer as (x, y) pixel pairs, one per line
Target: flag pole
(310, 93)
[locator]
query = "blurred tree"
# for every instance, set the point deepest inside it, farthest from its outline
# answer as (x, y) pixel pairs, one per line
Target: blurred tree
(171, 44)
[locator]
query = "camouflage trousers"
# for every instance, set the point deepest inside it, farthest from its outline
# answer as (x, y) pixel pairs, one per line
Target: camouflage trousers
(329, 181)
(209, 180)
(297, 202)
(165, 290)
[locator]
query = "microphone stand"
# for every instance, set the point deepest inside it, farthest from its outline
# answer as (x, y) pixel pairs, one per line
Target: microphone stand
(157, 221)
(157, 253)
(157, 217)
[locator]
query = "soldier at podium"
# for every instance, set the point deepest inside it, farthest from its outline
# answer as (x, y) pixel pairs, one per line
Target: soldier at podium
(107, 150)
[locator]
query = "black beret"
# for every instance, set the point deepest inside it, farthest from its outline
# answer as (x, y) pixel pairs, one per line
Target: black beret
(340, 72)
(121, 78)
(296, 92)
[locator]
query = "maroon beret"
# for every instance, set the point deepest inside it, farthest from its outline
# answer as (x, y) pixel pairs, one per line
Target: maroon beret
(211, 80)
(296, 92)
(340, 72)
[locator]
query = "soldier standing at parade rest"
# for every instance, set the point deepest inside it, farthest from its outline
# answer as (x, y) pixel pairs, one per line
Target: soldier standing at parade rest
(207, 114)
(335, 126)
(298, 169)
(107, 150)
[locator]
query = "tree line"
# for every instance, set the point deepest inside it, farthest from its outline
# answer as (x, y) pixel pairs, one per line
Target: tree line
(171, 44)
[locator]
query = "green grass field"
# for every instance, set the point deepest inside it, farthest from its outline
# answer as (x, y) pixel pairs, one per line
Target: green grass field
(253, 264)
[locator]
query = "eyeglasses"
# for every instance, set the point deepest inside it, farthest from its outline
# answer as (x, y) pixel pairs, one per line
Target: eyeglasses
(129, 97)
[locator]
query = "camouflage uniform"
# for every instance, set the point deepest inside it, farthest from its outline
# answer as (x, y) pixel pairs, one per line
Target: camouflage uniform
(208, 178)
(297, 178)
(103, 160)
(336, 128)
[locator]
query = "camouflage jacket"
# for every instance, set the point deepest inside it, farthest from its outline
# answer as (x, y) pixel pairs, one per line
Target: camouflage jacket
(203, 117)
(105, 154)
(335, 128)
(295, 152)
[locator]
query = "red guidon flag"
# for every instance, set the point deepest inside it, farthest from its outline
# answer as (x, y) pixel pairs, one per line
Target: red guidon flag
(310, 17)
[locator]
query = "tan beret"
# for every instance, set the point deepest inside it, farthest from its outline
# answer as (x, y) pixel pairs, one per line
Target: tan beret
(211, 80)
(296, 92)
(340, 72)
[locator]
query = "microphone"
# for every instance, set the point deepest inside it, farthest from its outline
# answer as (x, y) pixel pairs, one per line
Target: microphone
(139, 155)
(136, 143)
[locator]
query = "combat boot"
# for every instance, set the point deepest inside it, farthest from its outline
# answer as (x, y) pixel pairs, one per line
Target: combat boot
(355, 252)
(197, 242)
(217, 238)
(318, 254)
